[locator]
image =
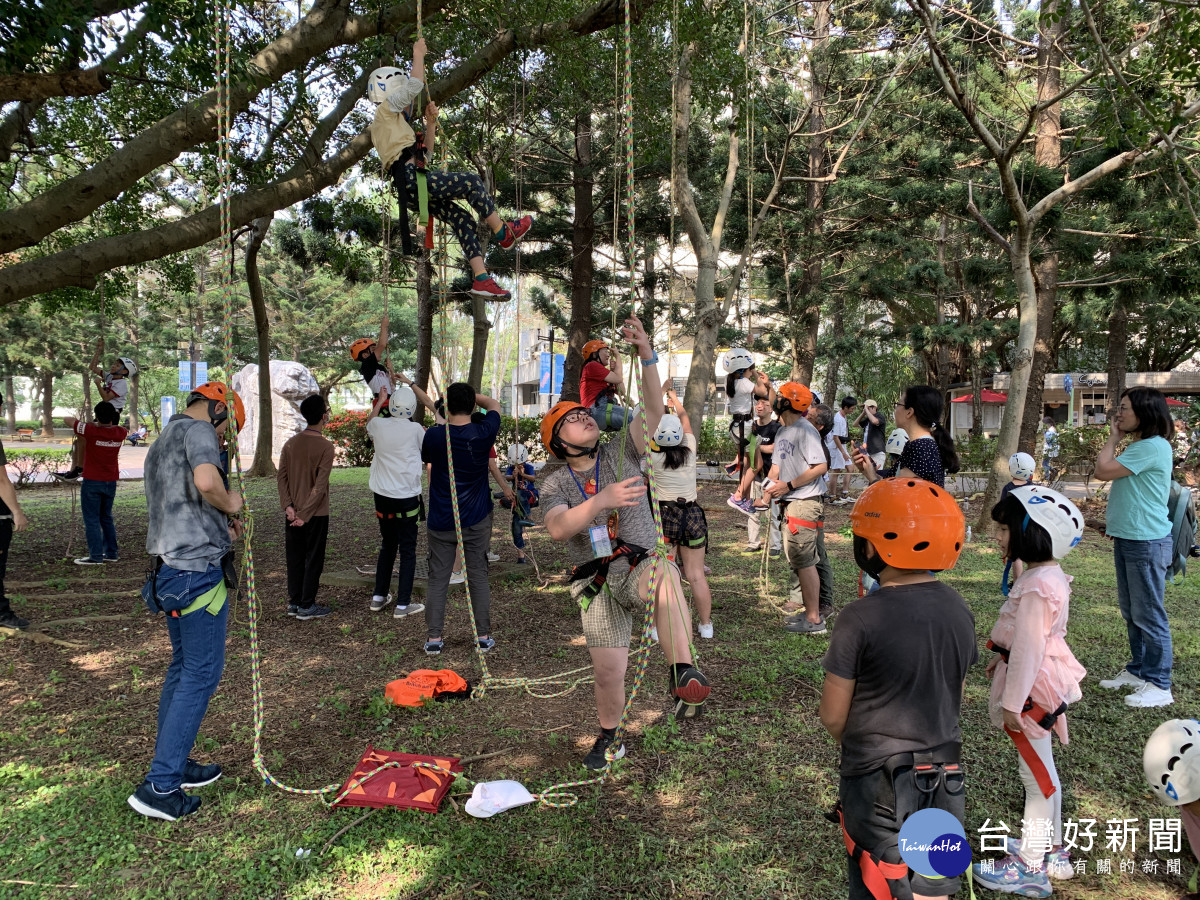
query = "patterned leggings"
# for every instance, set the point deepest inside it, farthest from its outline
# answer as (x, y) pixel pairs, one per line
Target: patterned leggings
(444, 189)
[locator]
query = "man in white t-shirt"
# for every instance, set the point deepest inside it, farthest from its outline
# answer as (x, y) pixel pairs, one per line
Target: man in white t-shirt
(839, 451)
(395, 481)
(795, 481)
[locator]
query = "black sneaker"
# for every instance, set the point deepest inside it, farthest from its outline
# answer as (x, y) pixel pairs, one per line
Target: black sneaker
(690, 694)
(825, 609)
(11, 620)
(434, 648)
(293, 609)
(313, 612)
(595, 759)
(70, 474)
(153, 804)
(196, 775)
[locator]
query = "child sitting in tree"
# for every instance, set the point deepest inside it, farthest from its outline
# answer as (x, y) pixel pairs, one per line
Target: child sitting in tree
(1034, 676)
(599, 382)
(894, 679)
(377, 374)
(403, 159)
(113, 386)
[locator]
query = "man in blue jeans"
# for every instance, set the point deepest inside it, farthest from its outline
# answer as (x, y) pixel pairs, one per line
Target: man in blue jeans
(102, 441)
(189, 532)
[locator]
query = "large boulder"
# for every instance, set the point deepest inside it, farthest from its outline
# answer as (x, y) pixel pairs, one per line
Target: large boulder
(290, 384)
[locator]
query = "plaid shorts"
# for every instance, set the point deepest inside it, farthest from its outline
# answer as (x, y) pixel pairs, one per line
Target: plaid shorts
(684, 525)
(608, 620)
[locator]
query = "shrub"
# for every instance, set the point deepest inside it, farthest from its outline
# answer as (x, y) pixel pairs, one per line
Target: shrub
(30, 463)
(714, 440)
(348, 432)
(975, 452)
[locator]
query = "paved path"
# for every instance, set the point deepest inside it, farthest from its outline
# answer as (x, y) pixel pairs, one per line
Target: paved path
(132, 459)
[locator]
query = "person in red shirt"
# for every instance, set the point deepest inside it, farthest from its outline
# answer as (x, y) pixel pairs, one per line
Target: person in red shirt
(103, 441)
(598, 386)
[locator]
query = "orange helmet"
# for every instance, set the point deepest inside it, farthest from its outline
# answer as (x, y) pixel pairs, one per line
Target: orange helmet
(550, 421)
(796, 394)
(591, 348)
(359, 346)
(215, 390)
(912, 523)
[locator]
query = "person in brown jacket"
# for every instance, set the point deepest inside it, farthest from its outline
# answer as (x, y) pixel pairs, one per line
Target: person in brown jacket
(304, 466)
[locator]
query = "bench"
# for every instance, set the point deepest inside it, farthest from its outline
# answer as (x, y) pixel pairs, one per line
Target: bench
(25, 434)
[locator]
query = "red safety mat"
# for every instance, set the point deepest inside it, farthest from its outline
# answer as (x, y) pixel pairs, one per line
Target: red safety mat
(404, 785)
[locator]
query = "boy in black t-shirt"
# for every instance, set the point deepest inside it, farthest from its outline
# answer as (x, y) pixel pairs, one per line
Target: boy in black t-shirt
(894, 677)
(375, 371)
(762, 448)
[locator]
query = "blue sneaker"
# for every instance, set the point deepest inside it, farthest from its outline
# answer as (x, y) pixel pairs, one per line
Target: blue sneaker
(1011, 876)
(312, 612)
(1058, 862)
(197, 775)
(486, 644)
(152, 803)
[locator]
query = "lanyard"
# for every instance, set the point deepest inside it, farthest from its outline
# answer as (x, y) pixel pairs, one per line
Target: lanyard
(595, 479)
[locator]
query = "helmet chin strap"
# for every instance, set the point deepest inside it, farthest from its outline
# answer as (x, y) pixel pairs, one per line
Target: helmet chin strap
(561, 445)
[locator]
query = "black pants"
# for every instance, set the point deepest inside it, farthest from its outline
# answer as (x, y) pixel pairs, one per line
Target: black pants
(6, 533)
(398, 518)
(305, 548)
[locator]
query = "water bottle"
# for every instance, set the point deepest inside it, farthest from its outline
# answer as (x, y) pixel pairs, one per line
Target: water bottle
(968, 534)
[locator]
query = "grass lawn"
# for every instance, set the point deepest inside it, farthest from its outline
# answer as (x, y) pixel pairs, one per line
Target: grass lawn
(730, 806)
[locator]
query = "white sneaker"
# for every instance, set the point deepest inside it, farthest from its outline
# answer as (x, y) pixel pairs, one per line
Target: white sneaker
(411, 610)
(706, 630)
(88, 561)
(1125, 680)
(378, 603)
(457, 577)
(1149, 695)
(493, 557)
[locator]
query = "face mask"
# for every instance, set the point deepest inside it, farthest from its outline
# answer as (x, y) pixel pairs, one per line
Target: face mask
(872, 565)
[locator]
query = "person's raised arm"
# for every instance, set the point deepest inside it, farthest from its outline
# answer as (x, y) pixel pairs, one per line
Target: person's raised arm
(652, 393)
(431, 114)
(1107, 467)
(94, 365)
(615, 374)
(418, 66)
(564, 522)
(485, 402)
(676, 408)
(381, 400)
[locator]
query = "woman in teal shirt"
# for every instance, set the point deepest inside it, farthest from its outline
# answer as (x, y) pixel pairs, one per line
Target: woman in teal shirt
(1139, 522)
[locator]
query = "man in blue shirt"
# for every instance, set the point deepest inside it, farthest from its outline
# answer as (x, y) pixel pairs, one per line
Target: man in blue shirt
(470, 443)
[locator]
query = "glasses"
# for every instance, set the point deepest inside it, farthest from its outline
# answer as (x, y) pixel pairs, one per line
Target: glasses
(899, 404)
(576, 415)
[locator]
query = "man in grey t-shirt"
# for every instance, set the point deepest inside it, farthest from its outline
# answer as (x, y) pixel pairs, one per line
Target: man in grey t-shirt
(189, 532)
(795, 482)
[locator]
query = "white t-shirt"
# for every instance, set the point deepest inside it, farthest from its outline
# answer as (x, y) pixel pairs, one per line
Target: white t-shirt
(675, 484)
(797, 449)
(742, 401)
(396, 469)
(835, 458)
(118, 386)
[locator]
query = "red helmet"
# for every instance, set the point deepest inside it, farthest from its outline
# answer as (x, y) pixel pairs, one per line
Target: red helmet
(549, 429)
(215, 390)
(359, 346)
(591, 348)
(796, 394)
(913, 523)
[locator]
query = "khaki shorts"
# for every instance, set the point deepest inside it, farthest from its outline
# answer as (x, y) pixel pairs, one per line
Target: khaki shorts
(608, 620)
(801, 548)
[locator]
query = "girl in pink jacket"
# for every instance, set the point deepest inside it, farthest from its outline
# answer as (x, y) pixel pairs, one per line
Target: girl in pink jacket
(1034, 677)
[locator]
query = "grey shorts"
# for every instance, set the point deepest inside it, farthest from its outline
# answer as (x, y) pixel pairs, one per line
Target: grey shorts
(608, 620)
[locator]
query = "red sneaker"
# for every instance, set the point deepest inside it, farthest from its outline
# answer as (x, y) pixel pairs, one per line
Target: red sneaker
(489, 289)
(514, 231)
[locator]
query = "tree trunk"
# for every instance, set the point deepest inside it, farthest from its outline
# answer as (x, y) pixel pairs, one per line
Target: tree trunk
(706, 245)
(10, 404)
(263, 466)
(133, 406)
(805, 356)
(87, 396)
(583, 236)
(47, 403)
(1048, 155)
(943, 351)
(1118, 352)
(837, 330)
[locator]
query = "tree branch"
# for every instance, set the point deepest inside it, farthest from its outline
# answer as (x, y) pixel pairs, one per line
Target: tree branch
(984, 223)
(40, 86)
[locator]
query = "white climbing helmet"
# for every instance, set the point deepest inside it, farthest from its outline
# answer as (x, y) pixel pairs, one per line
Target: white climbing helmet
(669, 432)
(377, 87)
(1021, 465)
(1055, 512)
(738, 358)
(403, 402)
(129, 364)
(1171, 762)
(517, 454)
(897, 441)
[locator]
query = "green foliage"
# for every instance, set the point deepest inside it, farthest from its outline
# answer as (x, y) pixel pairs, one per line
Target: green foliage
(714, 440)
(32, 463)
(975, 452)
